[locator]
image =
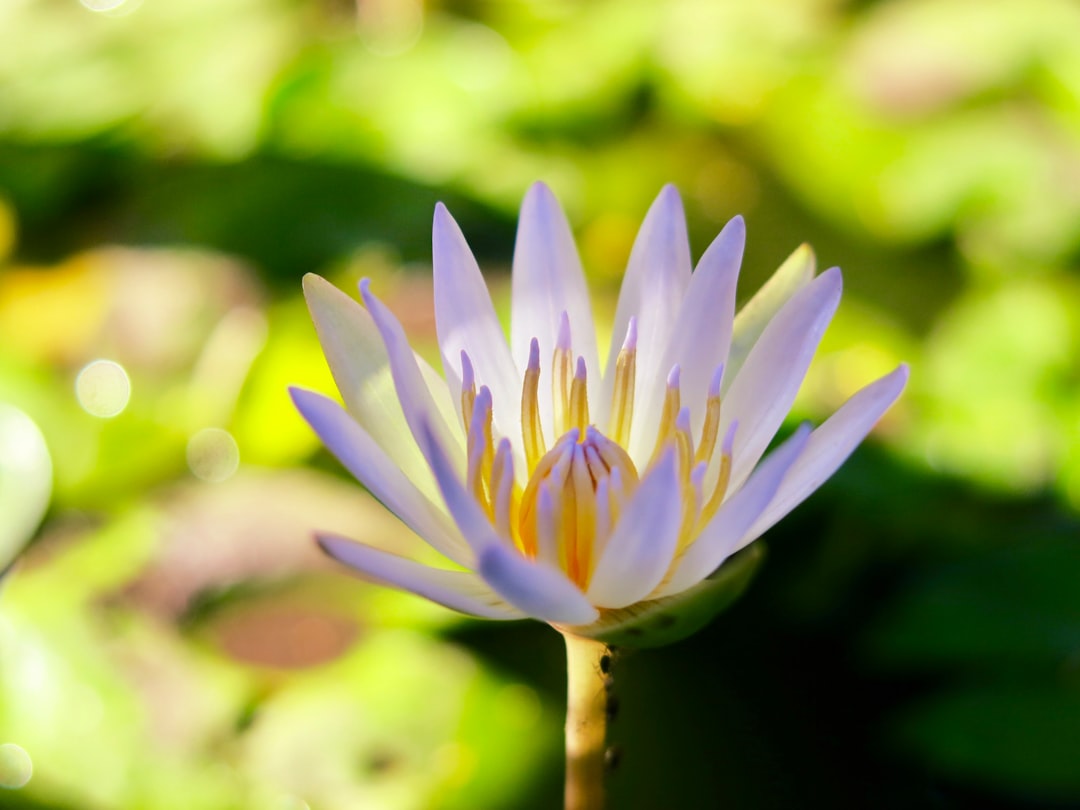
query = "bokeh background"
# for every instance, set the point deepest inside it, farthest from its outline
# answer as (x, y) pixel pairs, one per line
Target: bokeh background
(168, 172)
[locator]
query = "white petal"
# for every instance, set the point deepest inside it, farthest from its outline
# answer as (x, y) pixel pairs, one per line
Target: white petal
(459, 590)
(702, 332)
(466, 321)
(357, 358)
(416, 400)
(652, 291)
(471, 519)
(795, 273)
(830, 445)
(540, 590)
(364, 458)
(722, 536)
(548, 280)
(765, 388)
(641, 548)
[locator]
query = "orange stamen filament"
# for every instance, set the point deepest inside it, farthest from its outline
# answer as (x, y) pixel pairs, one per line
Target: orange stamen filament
(672, 404)
(723, 478)
(532, 432)
(468, 389)
(562, 365)
(579, 398)
(711, 427)
(502, 489)
(622, 395)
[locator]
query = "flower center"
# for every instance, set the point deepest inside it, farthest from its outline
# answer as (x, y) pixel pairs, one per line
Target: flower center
(575, 491)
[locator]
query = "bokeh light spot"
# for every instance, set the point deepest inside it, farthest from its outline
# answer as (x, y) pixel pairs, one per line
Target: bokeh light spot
(113, 8)
(103, 388)
(213, 455)
(16, 767)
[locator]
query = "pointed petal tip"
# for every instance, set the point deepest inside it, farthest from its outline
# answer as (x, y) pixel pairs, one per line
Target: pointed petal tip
(669, 198)
(443, 225)
(334, 546)
(539, 191)
(298, 394)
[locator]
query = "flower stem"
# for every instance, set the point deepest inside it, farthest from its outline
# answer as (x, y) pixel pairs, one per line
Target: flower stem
(586, 721)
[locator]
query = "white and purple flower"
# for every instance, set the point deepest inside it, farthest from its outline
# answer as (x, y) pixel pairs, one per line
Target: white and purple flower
(600, 498)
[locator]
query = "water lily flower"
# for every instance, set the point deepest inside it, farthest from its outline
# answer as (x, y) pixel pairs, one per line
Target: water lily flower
(602, 497)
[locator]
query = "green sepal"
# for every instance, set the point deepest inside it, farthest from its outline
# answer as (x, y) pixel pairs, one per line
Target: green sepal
(664, 621)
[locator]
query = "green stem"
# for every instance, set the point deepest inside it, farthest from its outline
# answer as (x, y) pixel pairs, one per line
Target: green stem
(586, 721)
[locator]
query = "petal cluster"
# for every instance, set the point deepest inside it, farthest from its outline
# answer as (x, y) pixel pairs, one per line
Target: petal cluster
(561, 487)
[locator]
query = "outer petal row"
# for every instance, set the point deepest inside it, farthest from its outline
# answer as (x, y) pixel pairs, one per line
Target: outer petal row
(358, 360)
(459, 590)
(721, 537)
(830, 445)
(365, 459)
(765, 387)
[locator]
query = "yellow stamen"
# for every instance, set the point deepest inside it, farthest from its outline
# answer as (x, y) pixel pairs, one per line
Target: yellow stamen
(723, 478)
(562, 364)
(468, 390)
(711, 427)
(684, 444)
(579, 399)
(672, 404)
(543, 473)
(622, 397)
(480, 449)
(503, 491)
(532, 432)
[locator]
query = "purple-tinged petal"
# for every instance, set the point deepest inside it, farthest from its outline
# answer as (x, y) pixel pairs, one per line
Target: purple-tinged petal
(643, 543)
(795, 273)
(362, 456)
(721, 537)
(469, 516)
(657, 277)
(462, 591)
(702, 333)
(412, 390)
(765, 388)
(547, 281)
(358, 361)
(830, 445)
(536, 588)
(466, 321)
